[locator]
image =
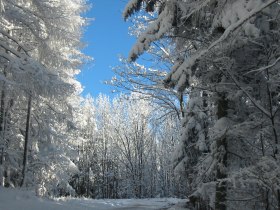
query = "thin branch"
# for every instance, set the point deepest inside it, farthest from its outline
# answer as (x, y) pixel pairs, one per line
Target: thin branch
(264, 67)
(259, 106)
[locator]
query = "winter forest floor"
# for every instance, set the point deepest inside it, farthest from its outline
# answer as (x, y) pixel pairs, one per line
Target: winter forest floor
(11, 199)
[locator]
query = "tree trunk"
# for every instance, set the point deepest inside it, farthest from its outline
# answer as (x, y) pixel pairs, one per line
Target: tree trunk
(2, 158)
(26, 138)
(2, 177)
(221, 186)
(2, 143)
(278, 198)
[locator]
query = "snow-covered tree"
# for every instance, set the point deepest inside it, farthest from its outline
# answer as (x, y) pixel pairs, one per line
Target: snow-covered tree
(228, 64)
(40, 55)
(146, 75)
(122, 149)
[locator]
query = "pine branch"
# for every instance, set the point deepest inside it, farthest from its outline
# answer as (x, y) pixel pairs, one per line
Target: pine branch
(257, 105)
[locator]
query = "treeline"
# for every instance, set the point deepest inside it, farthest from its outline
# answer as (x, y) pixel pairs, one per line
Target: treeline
(57, 143)
(124, 150)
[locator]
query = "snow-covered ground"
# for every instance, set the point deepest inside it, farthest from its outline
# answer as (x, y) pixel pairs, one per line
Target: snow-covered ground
(11, 199)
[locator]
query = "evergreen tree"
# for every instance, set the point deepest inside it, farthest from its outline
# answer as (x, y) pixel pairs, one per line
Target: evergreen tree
(40, 55)
(227, 69)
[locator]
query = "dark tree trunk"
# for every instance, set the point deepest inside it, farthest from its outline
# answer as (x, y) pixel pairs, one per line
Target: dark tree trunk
(2, 179)
(221, 186)
(26, 138)
(278, 198)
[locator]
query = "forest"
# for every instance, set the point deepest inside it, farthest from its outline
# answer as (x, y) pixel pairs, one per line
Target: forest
(199, 119)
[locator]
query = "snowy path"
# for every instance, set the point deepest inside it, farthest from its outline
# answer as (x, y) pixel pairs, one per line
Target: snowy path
(22, 200)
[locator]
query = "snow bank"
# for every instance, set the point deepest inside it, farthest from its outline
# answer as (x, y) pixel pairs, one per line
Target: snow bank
(11, 199)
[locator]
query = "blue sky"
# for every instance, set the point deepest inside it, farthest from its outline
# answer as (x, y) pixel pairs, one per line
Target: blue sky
(106, 37)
